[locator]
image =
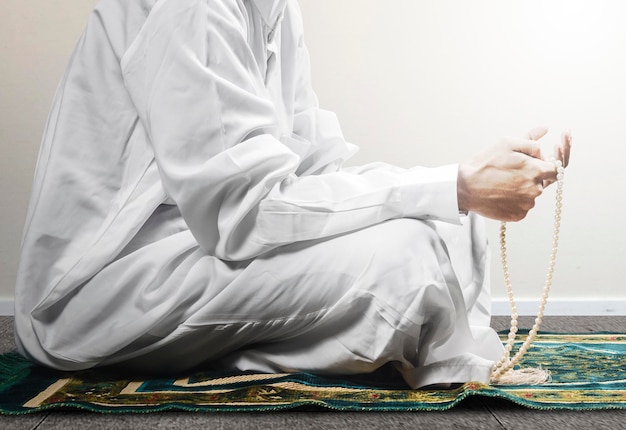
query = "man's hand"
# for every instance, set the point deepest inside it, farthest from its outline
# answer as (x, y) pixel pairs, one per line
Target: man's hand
(503, 182)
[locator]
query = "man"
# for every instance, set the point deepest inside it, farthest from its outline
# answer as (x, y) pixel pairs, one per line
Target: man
(190, 208)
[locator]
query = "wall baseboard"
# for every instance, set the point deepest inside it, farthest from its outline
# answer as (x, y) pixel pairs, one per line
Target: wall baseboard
(6, 307)
(501, 307)
(562, 307)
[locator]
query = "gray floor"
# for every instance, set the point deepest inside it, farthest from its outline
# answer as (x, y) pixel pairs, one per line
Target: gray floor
(474, 413)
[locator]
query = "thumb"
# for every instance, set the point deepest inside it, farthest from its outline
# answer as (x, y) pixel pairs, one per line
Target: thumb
(537, 132)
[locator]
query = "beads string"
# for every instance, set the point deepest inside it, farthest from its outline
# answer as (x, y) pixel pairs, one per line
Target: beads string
(503, 371)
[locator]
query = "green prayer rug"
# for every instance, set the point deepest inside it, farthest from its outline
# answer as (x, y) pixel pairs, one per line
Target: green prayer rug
(588, 372)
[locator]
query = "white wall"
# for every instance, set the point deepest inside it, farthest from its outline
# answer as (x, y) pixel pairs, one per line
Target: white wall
(431, 82)
(414, 82)
(36, 39)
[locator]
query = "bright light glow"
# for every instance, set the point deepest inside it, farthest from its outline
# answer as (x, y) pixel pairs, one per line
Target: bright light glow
(574, 32)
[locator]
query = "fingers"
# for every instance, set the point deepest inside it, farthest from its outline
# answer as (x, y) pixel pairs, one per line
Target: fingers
(547, 173)
(543, 172)
(537, 133)
(561, 151)
(527, 147)
(565, 147)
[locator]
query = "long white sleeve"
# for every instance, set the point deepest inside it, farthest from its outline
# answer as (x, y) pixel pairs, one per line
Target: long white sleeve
(200, 91)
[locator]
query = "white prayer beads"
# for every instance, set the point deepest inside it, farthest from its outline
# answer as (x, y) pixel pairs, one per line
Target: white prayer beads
(503, 370)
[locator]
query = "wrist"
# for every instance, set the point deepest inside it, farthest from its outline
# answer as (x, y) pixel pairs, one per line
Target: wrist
(463, 194)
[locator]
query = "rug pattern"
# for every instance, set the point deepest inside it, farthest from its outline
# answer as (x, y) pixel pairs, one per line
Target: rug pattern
(588, 372)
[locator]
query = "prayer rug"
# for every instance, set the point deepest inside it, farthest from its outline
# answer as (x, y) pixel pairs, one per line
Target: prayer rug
(588, 372)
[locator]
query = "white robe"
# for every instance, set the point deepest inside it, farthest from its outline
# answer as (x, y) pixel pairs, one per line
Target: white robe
(190, 205)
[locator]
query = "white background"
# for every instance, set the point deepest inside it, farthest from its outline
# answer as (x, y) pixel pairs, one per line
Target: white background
(413, 82)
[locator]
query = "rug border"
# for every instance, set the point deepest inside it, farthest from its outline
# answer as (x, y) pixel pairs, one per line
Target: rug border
(15, 369)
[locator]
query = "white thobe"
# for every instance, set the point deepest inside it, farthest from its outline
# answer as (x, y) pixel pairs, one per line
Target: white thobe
(190, 206)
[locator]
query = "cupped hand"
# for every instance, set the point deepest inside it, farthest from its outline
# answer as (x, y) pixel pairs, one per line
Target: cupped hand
(503, 181)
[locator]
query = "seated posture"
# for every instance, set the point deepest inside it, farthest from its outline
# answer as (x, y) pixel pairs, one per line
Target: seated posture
(190, 208)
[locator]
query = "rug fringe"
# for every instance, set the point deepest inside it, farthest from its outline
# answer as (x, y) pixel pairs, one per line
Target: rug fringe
(524, 376)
